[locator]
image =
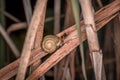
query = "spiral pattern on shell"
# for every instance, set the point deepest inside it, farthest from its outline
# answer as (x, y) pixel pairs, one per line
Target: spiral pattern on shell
(50, 43)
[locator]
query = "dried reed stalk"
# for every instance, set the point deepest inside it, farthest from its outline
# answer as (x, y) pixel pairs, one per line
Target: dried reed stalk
(38, 16)
(38, 41)
(93, 43)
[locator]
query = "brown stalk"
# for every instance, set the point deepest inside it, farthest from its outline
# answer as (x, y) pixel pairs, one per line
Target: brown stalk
(57, 11)
(64, 75)
(37, 42)
(69, 19)
(93, 43)
(68, 75)
(100, 3)
(108, 49)
(112, 9)
(27, 10)
(9, 42)
(116, 23)
(38, 16)
(72, 64)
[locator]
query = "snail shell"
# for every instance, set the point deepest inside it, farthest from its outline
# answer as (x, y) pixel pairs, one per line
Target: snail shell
(50, 43)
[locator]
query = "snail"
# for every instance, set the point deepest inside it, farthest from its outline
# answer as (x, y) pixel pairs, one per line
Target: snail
(50, 43)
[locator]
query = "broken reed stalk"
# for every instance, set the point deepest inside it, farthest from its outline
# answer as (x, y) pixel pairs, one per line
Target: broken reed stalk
(101, 19)
(93, 43)
(9, 42)
(38, 16)
(95, 53)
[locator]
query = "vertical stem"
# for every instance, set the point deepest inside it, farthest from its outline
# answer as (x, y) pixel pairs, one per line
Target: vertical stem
(2, 7)
(117, 43)
(95, 52)
(100, 3)
(108, 48)
(116, 23)
(66, 68)
(69, 20)
(72, 64)
(37, 44)
(28, 10)
(2, 43)
(38, 16)
(76, 12)
(57, 12)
